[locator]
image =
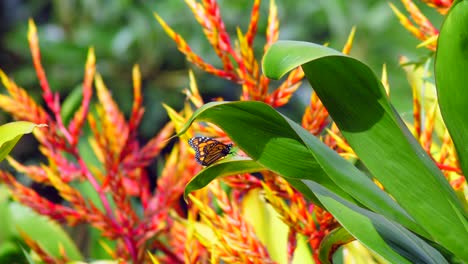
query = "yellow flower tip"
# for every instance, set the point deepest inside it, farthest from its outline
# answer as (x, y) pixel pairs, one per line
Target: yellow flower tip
(32, 25)
(99, 82)
(32, 30)
(349, 41)
(91, 56)
(107, 248)
(136, 73)
(136, 69)
(158, 18)
(154, 260)
(430, 41)
(399, 14)
(5, 79)
(166, 27)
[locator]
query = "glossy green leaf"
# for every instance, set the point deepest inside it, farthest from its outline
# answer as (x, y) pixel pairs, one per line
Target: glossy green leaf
(10, 252)
(389, 239)
(236, 165)
(282, 146)
(258, 117)
(451, 77)
(336, 238)
(11, 133)
(41, 229)
(357, 102)
(225, 167)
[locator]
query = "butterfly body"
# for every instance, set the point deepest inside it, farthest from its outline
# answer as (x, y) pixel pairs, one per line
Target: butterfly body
(208, 150)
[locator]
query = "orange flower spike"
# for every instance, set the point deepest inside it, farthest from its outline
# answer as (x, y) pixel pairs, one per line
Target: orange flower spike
(407, 23)
(301, 208)
(36, 173)
(174, 176)
(211, 32)
(279, 205)
(284, 92)
(66, 192)
(251, 73)
(20, 104)
(315, 116)
(32, 199)
(52, 100)
(426, 137)
(417, 108)
(152, 149)
(77, 122)
(243, 182)
(137, 109)
(445, 148)
(113, 123)
(253, 25)
(272, 34)
(349, 43)
(248, 58)
(214, 15)
(291, 244)
(191, 56)
(237, 239)
(36, 56)
(441, 5)
(420, 19)
(192, 92)
(98, 142)
(209, 29)
(341, 143)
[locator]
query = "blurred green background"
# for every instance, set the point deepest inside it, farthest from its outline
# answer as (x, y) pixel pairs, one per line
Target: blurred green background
(125, 32)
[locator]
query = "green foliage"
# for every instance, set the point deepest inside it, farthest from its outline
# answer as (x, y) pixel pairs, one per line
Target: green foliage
(451, 78)
(11, 133)
(358, 104)
(16, 217)
(280, 145)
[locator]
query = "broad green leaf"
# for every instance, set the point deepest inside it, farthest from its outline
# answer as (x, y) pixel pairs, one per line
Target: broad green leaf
(258, 118)
(11, 133)
(10, 252)
(451, 77)
(271, 230)
(236, 165)
(46, 232)
(336, 238)
(282, 146)
(7, 226)
(223, 168)
(389, 239)
(357, 102)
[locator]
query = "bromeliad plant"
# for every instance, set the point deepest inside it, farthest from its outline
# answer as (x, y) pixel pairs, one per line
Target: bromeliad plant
(416, 215)
(99, 189)
(395, 200)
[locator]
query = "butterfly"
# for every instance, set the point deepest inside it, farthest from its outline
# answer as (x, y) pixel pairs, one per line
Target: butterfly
(208, 150)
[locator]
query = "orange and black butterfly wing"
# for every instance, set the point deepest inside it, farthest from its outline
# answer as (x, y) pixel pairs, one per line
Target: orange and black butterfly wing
(208, 150)
(198, 144)
(214, 152)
